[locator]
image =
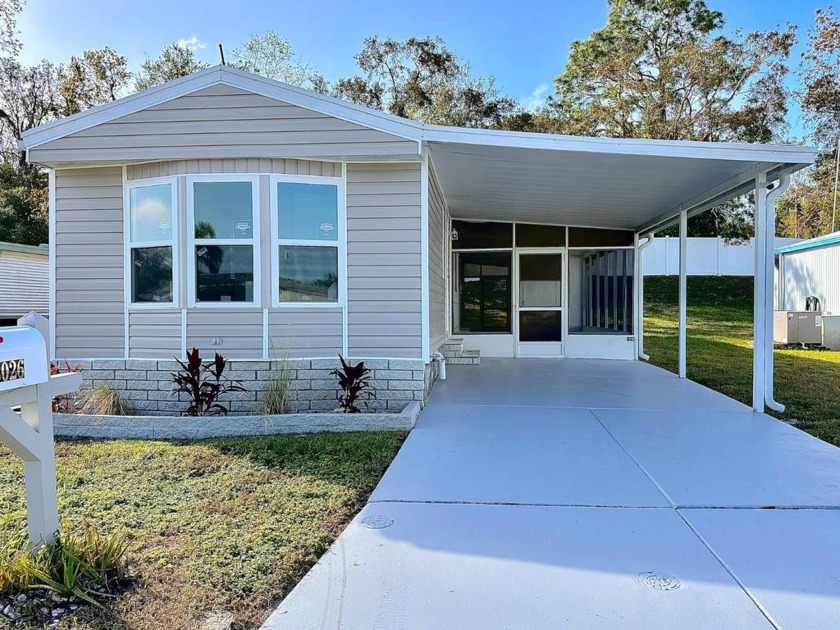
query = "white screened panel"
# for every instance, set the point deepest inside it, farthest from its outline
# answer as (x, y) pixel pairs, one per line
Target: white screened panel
(438, 234)
(305, 333)
(154, 334)
(234, 333)
(233, 165)
(89, 306)
(24, 284)
(540, 293)
(811, 272)
(221, 122)
(384, 260)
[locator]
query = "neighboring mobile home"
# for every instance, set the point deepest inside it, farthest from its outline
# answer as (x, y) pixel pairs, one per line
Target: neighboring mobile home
(810, 269)
(24, 281)
(234, 213)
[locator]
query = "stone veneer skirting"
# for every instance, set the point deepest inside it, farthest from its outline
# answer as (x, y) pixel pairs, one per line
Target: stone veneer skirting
(147, 384)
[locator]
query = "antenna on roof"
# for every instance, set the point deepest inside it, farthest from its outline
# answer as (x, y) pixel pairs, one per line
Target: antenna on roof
(222, 54)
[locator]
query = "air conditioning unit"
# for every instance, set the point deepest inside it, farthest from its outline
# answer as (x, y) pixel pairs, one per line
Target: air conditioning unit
(797, 327)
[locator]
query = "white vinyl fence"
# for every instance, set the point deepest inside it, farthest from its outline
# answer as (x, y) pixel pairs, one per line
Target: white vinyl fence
(706, 257)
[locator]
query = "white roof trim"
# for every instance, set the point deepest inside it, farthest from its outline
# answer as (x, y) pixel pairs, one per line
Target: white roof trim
(794, 154)
(408, 129)
(226, 75)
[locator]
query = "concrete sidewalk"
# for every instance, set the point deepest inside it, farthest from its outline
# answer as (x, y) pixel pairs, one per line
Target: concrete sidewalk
(586, 494)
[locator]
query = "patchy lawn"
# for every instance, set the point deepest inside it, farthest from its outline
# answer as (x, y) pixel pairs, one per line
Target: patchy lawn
(225, 525)
(720, 353)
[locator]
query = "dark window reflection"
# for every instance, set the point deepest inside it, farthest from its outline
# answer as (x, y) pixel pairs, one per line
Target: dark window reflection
(224, 273)
(151, 274)
(485, 292)
(540, 325)
(308, 274)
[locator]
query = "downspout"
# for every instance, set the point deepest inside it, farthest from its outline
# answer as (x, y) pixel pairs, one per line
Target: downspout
(640, 332)
(441, 360)
(770, 236)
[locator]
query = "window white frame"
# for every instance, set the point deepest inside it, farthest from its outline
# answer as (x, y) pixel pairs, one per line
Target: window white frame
(173, 241)
(340, 244)
(254, 241)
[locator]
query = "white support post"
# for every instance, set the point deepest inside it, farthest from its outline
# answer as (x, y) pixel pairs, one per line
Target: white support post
(683, 292)
(759, 292)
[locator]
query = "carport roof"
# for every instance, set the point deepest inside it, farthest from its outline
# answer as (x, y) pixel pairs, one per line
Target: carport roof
(598, 182)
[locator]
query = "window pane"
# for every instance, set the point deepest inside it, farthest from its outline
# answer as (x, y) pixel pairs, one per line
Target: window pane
(592, 237)
(308, 211)
(150, 211)
(224, 273)
(482, 235)
(540, 235)
(223, 210)
(308, 274)
(540, 280)
(540, 325)
(151, 274)
(484, 292)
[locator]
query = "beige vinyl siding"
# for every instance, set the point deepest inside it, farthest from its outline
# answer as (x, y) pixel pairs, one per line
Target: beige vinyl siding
(221, 122)
(437, 283)
(384, 260)
(24, 283)
(89, 306)
(240, 165)
(305, 333)
(240, 332)
(154, 334)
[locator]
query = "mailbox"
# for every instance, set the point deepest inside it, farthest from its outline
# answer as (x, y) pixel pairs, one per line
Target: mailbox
(23, 358)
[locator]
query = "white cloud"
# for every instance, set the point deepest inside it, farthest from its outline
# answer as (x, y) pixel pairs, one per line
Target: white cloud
(536, 99)
(193, 43)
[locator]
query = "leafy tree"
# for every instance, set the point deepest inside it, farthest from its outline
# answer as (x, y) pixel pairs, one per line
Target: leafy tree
(820, 75)
(662, 69)
(174, 62)
(9, 43)
(807, 209)
(421, 79)
(29, 97)
(23, 205)
(272, 56)
(94, 78)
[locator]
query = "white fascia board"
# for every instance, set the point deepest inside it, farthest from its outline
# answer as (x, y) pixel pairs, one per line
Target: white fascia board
(226, 75)
(793, 154)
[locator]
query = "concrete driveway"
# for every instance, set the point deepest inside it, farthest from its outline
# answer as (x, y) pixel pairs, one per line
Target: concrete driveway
(586, 494)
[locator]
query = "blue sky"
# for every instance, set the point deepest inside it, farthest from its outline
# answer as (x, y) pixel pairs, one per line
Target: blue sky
(523, 45)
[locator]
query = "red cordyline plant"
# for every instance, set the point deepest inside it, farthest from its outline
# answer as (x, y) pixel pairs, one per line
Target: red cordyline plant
(356, 385)
(204, 383)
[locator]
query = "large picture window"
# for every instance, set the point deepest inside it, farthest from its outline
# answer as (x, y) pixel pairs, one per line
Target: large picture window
(307, 237)
(151, 242)
(224, 225)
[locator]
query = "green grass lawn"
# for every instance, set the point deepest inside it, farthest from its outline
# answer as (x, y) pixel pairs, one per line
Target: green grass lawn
(227, 525)
(720, 353)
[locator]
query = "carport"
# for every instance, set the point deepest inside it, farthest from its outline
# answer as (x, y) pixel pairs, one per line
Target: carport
(611, 196)
(586, 494)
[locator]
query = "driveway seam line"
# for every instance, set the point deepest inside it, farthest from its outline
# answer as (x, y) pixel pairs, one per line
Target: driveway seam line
(696, 533)
(730, 571)
(515, 504)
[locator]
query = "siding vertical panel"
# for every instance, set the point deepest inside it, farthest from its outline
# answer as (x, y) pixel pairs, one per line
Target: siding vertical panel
(89, 300)
(384, 260)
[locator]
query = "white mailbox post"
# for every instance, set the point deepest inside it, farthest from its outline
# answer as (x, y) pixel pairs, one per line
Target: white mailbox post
(25, 382)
